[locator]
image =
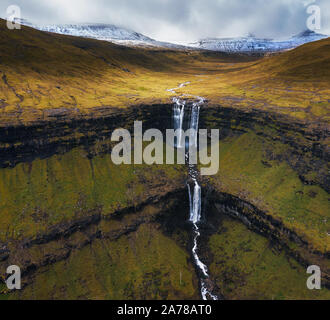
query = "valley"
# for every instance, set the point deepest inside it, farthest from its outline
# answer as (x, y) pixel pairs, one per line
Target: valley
(81, 227)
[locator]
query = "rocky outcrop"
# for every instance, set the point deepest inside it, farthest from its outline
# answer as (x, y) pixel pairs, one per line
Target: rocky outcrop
(308, 149)
(46, 138)
(308, 152)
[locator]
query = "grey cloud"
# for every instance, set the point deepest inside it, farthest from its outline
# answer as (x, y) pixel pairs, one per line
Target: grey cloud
(180, 20)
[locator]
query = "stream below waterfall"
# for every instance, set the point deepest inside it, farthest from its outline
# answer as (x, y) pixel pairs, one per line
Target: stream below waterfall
(187, 117)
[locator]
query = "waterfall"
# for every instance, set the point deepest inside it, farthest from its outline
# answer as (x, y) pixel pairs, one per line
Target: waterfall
(194, 121)
(195, 203)
(194, 189)
(178, 119)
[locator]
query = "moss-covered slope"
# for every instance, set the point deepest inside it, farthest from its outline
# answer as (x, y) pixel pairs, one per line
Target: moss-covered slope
(246, 265)
(141, 265)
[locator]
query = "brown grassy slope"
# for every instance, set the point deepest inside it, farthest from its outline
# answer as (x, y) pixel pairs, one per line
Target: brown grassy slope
(310, 61)
(295, 83)
(41, 72)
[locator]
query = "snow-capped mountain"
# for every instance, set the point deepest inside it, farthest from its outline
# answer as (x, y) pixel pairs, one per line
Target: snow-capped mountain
(123, 36)
(96, 31)
(101, 31)
(251, 44)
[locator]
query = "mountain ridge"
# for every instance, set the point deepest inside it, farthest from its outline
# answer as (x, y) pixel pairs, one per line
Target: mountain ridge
(250, 43)
(128, 37)
(102, 31)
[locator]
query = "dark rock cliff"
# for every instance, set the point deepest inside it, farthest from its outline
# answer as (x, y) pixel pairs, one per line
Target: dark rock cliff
(307, 153)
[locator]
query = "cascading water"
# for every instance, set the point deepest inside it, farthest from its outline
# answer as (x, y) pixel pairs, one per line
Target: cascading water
(195, 203)
(178, 119)
(194, 189)
(194, 121)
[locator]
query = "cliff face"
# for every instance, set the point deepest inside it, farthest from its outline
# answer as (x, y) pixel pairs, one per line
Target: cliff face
(124, 256)
(59, 135)
(304, 147)
(67, 203)
(61, 192)
(273, 177)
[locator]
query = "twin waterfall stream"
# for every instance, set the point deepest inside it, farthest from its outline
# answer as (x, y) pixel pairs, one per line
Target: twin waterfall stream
(187, 117)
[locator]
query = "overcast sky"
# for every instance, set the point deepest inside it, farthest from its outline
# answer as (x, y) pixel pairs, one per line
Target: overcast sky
(180, 20)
